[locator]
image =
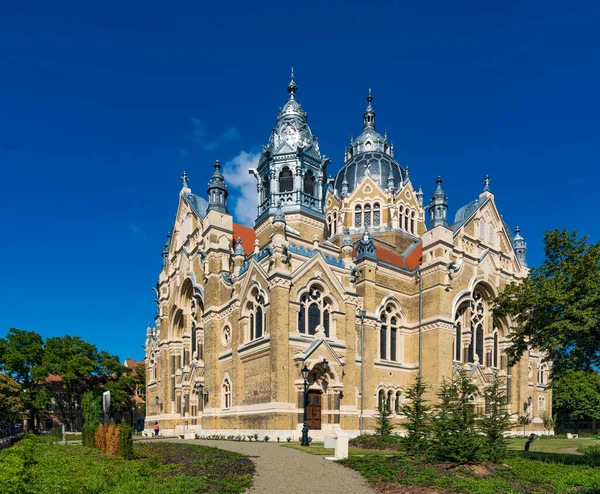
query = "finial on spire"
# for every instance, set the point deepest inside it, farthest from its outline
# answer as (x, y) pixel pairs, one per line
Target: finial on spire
(292, 86)
(217, 165)
(486, 183)
(185, 179)
(517, 231)
(369, 115)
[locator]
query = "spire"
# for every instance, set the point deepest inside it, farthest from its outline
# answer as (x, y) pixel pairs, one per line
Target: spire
(486, 183)
(239, 250)
(438, 207)
(185, 179)
(369, 115)
(407, 170)
(390, 180)
(292, 86)
(217, 191)
(420, 196)
(345, 184)
(520, 247)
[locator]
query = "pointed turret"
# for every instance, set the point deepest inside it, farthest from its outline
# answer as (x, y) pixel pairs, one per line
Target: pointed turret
(165, 249)
(420, 196)
(520, 247)
(217, 191)
(366, 247)
(438, 207)
(239, 249)
(390, 181)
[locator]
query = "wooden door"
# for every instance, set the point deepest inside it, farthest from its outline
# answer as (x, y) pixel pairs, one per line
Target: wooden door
(313, 410)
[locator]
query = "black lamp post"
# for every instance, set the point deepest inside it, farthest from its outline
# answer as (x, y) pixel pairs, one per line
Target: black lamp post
(305, 371)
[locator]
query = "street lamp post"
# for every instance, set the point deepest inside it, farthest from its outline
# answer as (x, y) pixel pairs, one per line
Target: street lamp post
(305, 371)
(362, 368)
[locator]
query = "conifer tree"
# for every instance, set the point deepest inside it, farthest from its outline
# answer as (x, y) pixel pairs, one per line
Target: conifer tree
(455, 436)
(417, 413)
(496, 420)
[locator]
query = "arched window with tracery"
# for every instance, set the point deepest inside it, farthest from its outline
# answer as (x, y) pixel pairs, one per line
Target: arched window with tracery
(389, 333)
(334, 223)
(400, 216)
(226, 391)
(381, 399)
(315, 311)
(309, 184)
(470, 329)
(357, 216)
(329, 225)
(286, 180)
(376, 214)
(367, 215)
(257, 316)
(406, 218)
(412, 222)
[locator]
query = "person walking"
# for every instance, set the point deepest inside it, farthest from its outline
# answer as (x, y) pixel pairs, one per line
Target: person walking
(156, 429)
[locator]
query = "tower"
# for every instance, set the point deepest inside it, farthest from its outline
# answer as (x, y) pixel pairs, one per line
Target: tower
(291, 169)
(520, 247)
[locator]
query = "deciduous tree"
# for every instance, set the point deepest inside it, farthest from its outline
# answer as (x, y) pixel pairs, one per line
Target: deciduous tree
(557, 309)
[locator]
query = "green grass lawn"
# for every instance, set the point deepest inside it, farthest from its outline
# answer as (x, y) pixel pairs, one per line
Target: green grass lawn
(318, 449)
(518, 474)
(159, 468)
(551, 445)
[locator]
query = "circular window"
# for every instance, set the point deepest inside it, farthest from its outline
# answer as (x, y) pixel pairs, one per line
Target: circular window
(226, 336)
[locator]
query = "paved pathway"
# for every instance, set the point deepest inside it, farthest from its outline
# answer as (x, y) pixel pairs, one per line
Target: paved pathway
(289, 471)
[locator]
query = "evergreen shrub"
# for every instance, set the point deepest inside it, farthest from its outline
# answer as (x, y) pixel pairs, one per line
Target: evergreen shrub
(126, 442)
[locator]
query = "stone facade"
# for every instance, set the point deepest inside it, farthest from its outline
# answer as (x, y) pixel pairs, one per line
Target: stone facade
(329, 263)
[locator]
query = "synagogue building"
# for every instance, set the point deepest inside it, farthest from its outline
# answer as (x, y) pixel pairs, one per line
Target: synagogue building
(357, 278)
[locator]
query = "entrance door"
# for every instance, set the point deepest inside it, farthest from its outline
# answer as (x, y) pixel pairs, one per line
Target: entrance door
(313, 410)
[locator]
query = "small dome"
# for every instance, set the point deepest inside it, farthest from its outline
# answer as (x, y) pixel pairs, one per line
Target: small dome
(379, 165)
(369, 151)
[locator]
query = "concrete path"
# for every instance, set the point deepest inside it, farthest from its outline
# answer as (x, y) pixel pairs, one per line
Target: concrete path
(289, 471)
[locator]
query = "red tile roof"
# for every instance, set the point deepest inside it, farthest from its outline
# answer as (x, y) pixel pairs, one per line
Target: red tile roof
(248, 236)
(411, 261)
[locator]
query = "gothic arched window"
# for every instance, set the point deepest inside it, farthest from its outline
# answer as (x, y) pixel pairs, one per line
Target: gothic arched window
(412, 222)
(388, 333)
(367, 215)
(226, 393)
(458, 335)
(309, 184)
(286, 180)
(376, 214)
(398, 403)
(258, 323)
(357, 216)
(315, 311)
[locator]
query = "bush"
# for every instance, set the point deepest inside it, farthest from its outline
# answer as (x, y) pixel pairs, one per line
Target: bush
(88, 435)
(369, 441)
(126, 442)
(14, 463)
(101, 437)
(112, 440)
(591, 455)
(57, 433)
(266, 439)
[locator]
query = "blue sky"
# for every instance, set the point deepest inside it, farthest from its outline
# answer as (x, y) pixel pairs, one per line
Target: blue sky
(104, 104)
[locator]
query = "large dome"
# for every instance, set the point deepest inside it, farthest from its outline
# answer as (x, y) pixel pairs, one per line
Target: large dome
(371, 152)
(379, 166)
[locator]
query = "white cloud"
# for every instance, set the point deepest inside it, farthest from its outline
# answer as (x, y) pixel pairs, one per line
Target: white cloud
(242, 186)
(202, 138)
